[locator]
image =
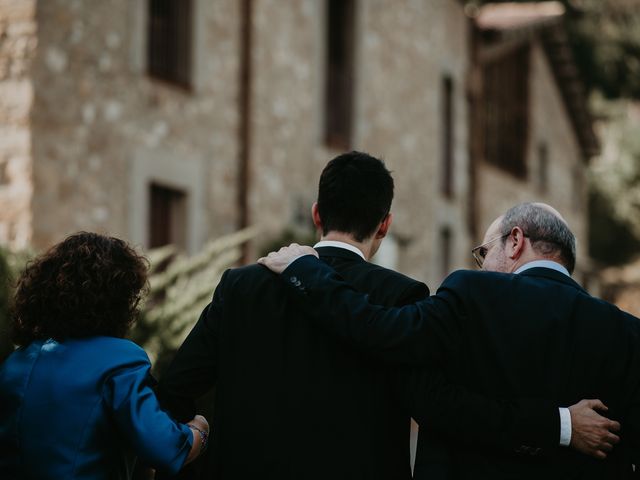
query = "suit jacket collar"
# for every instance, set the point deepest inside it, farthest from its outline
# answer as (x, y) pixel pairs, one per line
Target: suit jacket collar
(339, 252)
(552, 275)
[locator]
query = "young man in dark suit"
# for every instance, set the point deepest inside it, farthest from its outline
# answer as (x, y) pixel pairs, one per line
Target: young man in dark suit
(521, 328)
(290, 402)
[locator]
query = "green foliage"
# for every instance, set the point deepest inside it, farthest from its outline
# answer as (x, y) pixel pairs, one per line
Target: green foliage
(606, 43)
(615, 183)
(11, 264)
(5, 295)
(179, 289)
(605, 38)
(611, 241)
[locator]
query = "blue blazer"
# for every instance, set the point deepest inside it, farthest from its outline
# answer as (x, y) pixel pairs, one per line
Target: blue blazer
(83, 409)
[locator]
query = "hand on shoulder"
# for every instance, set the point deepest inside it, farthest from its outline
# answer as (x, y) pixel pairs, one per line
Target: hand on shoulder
(278, 261)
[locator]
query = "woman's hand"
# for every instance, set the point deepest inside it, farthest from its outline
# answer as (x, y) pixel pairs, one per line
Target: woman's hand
(200, 430)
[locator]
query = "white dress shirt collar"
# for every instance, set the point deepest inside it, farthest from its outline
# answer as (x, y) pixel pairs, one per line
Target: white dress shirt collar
(338, 244)
(545, 264)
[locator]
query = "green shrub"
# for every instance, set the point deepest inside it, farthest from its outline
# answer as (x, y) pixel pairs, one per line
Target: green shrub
(5, 295)
(180, 286)
(11, 264)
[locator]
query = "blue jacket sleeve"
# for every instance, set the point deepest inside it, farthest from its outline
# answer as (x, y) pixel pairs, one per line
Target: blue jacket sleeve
(158, 440)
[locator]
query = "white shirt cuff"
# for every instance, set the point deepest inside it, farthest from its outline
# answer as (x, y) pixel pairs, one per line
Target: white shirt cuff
(565, 427)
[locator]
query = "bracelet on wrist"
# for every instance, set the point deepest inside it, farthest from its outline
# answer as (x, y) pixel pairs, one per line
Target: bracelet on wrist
(204, 436)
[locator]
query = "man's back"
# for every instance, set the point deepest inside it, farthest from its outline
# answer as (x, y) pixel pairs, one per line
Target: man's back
(538, 334)
(528, 332)
(290, 401)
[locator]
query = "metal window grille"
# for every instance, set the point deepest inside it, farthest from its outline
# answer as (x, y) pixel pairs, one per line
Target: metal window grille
(506, 112)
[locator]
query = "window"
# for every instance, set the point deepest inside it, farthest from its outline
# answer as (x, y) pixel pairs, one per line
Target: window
(543, 167)
(167, 212)
(339, 73)
(169, 42)
(506, 112)
(578, 201)
(4, 177)
(447, 136)
(445, 249)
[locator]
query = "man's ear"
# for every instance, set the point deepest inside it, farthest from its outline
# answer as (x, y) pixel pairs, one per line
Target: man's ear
(315, 215)
(515, 243)
(384, 226)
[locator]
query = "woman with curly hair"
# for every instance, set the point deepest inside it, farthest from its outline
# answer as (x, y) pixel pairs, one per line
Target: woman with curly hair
(75, 397)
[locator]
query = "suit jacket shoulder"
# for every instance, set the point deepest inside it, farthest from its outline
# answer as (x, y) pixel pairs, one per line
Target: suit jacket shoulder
(249, 281)
(384, 286)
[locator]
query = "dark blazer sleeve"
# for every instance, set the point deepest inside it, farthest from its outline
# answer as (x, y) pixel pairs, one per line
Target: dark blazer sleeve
(413, 334)
(194, 369)
(425, 333)
(631, 431)
(461, 416)
(413, 293)
(631, 422)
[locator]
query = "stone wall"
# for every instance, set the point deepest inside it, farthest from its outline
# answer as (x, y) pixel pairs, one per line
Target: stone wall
(399, 117)
(103, 129)
(286, 145)
(100, 130)
(396, 116)
(17, 48)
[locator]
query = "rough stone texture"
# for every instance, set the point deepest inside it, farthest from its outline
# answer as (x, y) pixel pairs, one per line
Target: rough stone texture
(17, 47)
(396, 116)
(399, 117)
(96, 112)
(99, 130)
(566, 190)
(287, 111)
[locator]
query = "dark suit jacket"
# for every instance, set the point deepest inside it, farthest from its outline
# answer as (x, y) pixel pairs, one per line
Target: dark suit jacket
(291, 402)
(533, 334)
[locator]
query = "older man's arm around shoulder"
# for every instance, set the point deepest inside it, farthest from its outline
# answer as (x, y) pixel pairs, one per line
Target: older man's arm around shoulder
(416, 334)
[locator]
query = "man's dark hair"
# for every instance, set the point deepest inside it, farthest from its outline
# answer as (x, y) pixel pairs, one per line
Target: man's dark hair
(87, 285)
(549, 235)
(354, 194)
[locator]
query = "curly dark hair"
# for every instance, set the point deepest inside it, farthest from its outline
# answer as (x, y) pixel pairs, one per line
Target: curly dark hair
(87, 285)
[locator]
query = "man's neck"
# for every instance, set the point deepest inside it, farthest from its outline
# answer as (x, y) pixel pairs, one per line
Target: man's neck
(531, 257)
(543, 262)
(364, 247)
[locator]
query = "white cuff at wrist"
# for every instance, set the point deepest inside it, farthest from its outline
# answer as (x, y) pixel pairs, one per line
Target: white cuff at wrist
(565, 427)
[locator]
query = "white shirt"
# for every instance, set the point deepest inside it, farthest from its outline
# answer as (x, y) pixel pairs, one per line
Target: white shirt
(565, 415)
(545, 264)
(338, 244)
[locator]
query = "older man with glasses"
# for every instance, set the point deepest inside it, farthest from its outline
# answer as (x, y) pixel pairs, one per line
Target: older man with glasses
(520, 328)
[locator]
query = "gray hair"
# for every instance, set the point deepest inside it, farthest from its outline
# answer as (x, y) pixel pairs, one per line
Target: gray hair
(549, 234)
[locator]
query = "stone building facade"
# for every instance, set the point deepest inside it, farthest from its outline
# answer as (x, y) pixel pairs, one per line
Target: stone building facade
(259, 95)
(17, 49)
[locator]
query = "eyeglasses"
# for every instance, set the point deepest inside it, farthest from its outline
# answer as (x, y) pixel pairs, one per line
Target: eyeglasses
(480, 252)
